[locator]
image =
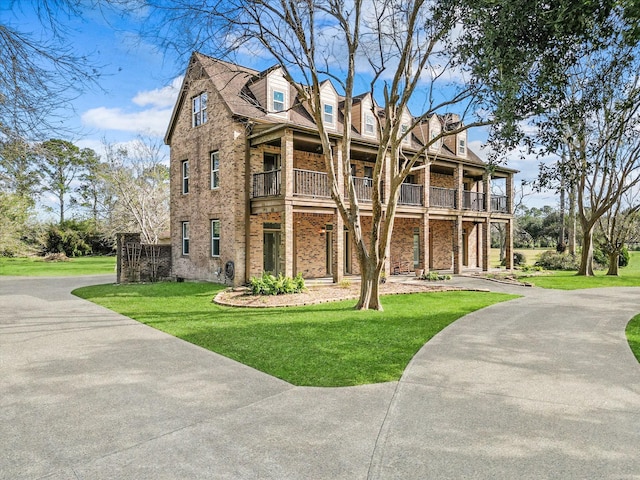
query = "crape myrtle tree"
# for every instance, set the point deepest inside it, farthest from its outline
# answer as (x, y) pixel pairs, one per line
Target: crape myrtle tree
(492, 62)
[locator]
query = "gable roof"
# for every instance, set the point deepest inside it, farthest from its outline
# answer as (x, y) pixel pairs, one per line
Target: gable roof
(232, 83)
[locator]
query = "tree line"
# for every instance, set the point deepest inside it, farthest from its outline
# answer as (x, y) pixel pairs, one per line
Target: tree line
(92, 197)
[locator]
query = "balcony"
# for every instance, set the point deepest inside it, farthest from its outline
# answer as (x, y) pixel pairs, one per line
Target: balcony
(308, 183)
(473, 201)
(499, 203)
(443, 197)
(410, 194)
(266, 184)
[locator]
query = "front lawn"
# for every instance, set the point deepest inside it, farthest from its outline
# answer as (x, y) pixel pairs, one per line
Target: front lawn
(37, 267)
(568, 280)
(321, 345)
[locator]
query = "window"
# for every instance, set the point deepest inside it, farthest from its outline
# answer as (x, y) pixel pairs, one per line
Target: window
(462, 146)
(185, 176)
(369, 125)
(215, 170)
(278, 101)
(215, 238)
(435, 144)
(199, 103)
(416, 247)
(403, 129)
(185, 238)
(328, 113)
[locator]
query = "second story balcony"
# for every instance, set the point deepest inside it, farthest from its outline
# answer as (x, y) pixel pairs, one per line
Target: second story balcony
(313, 184)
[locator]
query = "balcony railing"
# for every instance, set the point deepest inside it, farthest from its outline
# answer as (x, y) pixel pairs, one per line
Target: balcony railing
(410, 194)
(363, 187)
(499, 203)
(310, 184)
(473, 201)
(266, 184)
(442, 197)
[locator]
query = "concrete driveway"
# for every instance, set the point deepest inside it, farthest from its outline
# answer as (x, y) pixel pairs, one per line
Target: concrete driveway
(544, 386)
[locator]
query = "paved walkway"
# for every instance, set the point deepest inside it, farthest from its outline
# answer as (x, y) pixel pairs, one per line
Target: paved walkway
(544, 386)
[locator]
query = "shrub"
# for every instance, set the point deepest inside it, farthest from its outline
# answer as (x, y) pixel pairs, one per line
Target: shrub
(518, 259)
(557, 261)
(434, 276)
(75, 238)
(269, 285)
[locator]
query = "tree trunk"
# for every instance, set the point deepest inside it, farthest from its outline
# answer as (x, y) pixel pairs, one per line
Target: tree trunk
(572, 221)
(561, 233)
(61, 210)
(369, 286)
(614, 265)
(586, 259)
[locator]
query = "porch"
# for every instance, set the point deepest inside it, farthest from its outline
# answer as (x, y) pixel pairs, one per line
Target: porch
(314, 184)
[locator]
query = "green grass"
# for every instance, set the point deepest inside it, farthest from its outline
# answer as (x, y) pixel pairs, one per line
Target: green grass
(633, 335)
(531, 255)
(629, 277)
(322, 345)
(37, 267)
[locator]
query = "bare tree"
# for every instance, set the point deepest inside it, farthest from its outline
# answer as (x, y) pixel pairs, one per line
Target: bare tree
(41, 73)
(139, 182)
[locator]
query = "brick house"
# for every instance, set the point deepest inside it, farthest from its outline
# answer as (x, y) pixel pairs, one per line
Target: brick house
(248, 185)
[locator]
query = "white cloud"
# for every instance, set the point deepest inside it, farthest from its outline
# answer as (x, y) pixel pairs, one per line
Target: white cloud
(152, 120)
(160, 97)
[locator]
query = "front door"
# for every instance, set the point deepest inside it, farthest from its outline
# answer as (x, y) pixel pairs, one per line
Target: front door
(271, 252)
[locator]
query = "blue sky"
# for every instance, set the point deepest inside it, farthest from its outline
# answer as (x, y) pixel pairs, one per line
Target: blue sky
(139, 82)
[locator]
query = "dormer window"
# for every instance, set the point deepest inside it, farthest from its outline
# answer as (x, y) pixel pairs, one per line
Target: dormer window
(328, 114)
(278, 101)
(403, 129)
(199, 109)
(436, 143)
(462, 146)
(369, 123)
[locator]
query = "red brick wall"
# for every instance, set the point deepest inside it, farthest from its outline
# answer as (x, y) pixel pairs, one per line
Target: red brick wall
(441, 244)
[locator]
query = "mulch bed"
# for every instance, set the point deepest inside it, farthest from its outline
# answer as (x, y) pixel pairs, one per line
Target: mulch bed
(322, 293)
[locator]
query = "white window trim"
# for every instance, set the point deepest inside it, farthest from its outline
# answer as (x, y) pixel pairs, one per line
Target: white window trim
(185, 238)
(367, 116)
(215, 173)
(333, 114)
(185, 176)
(273, 102)
(462, 146)
(201, 112)
(405, 128)
(215, 255)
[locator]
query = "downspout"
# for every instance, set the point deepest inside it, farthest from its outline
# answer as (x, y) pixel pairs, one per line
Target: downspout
(247, 199)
